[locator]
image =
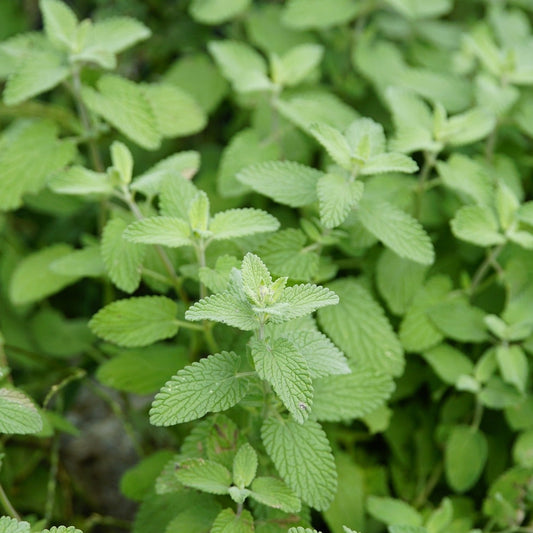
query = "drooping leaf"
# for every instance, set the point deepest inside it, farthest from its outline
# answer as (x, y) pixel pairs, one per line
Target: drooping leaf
(302, 456)
(211, 385)
(478, 225)
(392, 511)
(207, 476)
(137, 321)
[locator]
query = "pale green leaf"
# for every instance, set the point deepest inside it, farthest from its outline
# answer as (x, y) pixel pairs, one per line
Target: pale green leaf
(392, 511)
(513, 365)
(285, 368)
(203, 475)
(311, 14)
(286, 182)
(398, 230)
(122, 161)
(115, 34)
(464, 457)
(176, 112)
(122, 259)
(224, 307)
(34, 280)
(213, 12)
(39, 72)
(195, 518)
(80, 181)
(62, 529)
(22, 174)
(467, 128)
(417, 331)
(125, 106)
(240, 222)
(366, 138)
(421, 9)
(448, 363)
(212, 384)
(337, 196)
(255, 277)
(302, 456)
(136, 321)
(349, 396)
(241, 65)
(228, 522)
(167, 231)
(390, 162)
(142, 371)
(334, 142)
(398, 280)
(306, 298)
(12, 525)
(360, 328)
(295, 65)
(300, 529)
(217, 279)
(244, 466)
(60, 23)
(274, 493)
(498, 395)
(198, 213)
(523, 449)
(18, 414)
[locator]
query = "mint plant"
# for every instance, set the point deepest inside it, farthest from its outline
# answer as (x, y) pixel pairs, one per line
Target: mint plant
(287, 246)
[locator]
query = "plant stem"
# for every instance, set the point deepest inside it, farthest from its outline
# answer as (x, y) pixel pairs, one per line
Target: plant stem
(6, 504)
(188, 325)
(429, 162)
(430, 486)
(52, 480)
(483, 268)
(478, 415)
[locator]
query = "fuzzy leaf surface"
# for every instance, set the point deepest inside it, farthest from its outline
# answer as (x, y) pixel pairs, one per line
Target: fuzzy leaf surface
(207, 476)
(18, 414)
(274, 493)
(228, 522)
(336, 198)
(240, 222)
(167, 231)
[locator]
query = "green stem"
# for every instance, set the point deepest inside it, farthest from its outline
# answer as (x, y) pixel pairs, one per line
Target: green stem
(6, 504)
(52, 480)
(478, 415)
(430, 486)
(429, 162)
(484, 267)
(188, 325)
(79, 373)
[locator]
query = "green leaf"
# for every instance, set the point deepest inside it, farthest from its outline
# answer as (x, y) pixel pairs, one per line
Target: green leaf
(448, 363)
(12, 525)
(40, 71)
(282, 365)
(203, 475)
(213, 12)
(198, 214)
(240, 222)
(211, 385)
(523, 449)
(241, 65)
(478, 225)
(244, 466)
(176, 112)
(306, 298)
(464, 457)
(84, 262)
(167, 231)
(337, 196)
(60, 23)
(397, 230)
(286, 182)
(228, 522)
(225, 307)
(122, 259)
(115, 34)
(122, 161)
(311, 14)
(360, 328)
(302, 456)
(195, 518)
(125, 106)
(467, 128)
(334, 143)
(34, 280)
(62, 529)
(513, 365)
(18, 414)
(421, 9)
(294, 66)
(81, 181)
(354, 395)
(21, 174)
(274, 493)
(390, 162)
(392, 511)
(142, 371)
(136, 321)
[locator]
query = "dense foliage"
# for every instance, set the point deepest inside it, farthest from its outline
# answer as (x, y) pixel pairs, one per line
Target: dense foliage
(266, 267)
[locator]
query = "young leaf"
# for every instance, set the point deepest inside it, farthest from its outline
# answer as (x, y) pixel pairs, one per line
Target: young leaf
(279, 363)
(286, 182)
(390, 162)
(18, 414)
(464, 457)
(115, 34)
(122, 259)
(12, 525)
(33, 279)
(392, 511)
(213, 13)
(136, 321)
(478, 225)
(228, 522)
(167, 231)
(122, 161)
(244, 466)
(81, 181)
(359, 327)
(293, 67)
(302, 456)
(337, 196)
(274, 493)
(240, 222)
(60, 23)
(345, 397)
(398, 230)
(211, 385)
(334, 143)
(513, 365)
(203, 475)
(62, 529)
(304, 299)
(217, 279)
